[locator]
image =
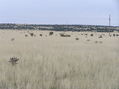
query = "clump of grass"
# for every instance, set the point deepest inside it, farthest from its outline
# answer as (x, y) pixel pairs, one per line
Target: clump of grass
(100, 42)
(26, 35)
(100, 36)
(51, 33)
(91, 35)
(114, 35)
(41, 35)
(77, 38)
(64, 35)
(96, 42)
(12, 39)
(88, 40)
(117, 35)
(13, 61)
(32, 34)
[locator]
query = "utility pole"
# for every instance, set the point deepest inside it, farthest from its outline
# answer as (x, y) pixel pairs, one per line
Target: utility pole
(109, 20)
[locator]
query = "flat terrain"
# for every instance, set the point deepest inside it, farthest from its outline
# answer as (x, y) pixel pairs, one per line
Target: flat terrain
(81, 60)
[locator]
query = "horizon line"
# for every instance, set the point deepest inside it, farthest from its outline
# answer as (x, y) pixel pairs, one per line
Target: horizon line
(58, 24)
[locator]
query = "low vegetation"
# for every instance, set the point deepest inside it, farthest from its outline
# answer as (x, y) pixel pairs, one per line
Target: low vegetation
(64, 35)
(56, 62)
(50, 33)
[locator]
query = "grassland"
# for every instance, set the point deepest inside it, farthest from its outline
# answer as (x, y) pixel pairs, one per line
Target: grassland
(81, 61)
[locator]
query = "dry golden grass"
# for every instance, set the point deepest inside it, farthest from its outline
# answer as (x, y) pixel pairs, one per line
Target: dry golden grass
(54, 62)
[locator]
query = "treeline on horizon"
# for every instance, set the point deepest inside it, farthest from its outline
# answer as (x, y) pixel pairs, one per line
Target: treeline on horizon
(56, 27)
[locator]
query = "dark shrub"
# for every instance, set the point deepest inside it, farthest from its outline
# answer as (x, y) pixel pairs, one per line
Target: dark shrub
(41, 35)
(77, 38)
(65, 35)
(51, 33)
(114, 35)
(12, 39)
(32, 34)
(91, 34)
(100, 36)
(26, 35)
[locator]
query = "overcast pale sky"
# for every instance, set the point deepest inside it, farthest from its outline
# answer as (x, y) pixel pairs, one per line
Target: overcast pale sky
(93, 12)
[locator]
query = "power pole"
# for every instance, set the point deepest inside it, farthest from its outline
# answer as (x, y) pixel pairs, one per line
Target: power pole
(109, 20)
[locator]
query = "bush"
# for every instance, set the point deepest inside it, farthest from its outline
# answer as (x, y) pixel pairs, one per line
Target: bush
(51, 33)
(65, 35)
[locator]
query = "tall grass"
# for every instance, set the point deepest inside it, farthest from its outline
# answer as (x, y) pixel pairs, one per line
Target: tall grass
(46, 74)
(59, 64)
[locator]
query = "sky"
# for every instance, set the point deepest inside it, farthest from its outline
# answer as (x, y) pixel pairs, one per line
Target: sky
(86, 12)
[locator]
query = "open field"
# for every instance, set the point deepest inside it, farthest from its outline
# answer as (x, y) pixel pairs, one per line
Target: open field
(59, 60)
